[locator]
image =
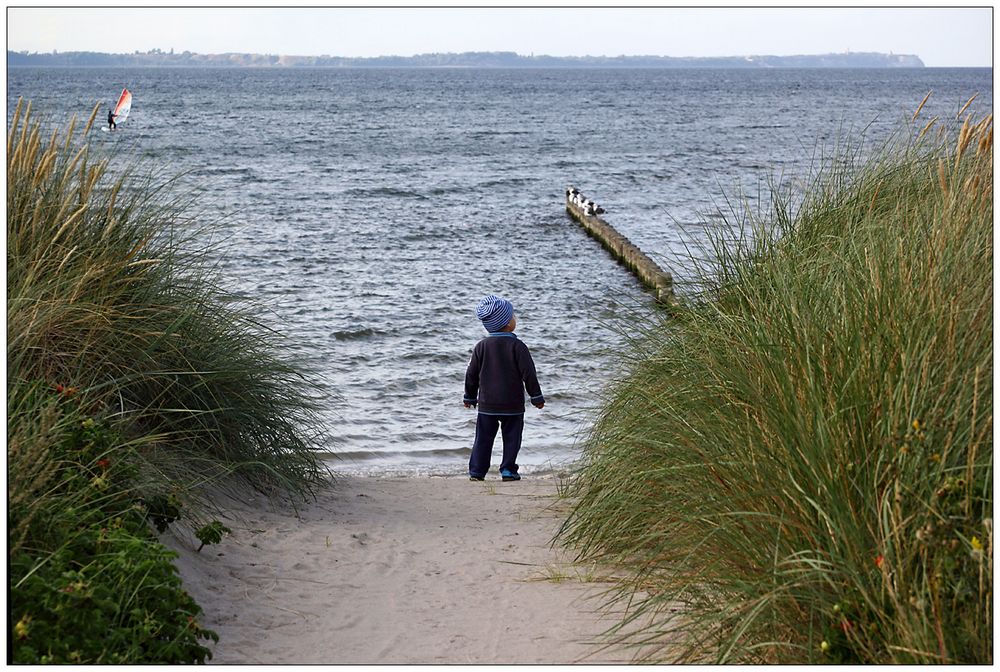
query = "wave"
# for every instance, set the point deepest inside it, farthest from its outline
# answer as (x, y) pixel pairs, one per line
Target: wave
(386, 191)
(246, 172)
(357, 334)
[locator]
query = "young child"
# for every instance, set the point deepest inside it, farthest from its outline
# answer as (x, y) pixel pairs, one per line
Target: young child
(500, 371)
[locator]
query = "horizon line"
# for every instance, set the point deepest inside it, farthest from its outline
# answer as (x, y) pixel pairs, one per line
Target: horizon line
(160, 51)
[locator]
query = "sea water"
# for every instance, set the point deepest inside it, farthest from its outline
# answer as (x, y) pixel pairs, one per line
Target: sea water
(368, 210)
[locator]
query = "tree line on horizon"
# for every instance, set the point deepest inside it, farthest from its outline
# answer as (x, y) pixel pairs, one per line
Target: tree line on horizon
(494, 59)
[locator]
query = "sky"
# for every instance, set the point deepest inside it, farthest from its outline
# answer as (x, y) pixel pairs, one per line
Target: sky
(940, 36)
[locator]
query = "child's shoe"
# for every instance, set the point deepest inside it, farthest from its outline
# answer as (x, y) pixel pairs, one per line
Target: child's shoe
(509, 475)
(473, 477)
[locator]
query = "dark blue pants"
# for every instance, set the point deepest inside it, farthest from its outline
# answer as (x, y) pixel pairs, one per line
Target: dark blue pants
(511, 427)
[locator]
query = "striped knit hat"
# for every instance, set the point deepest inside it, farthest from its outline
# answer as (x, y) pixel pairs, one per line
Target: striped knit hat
(495, 312)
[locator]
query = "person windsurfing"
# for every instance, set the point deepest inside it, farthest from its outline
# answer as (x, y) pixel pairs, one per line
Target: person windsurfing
(111, 119)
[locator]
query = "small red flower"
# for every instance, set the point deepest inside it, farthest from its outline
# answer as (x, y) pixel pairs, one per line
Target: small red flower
(104, 464)
(879, 560)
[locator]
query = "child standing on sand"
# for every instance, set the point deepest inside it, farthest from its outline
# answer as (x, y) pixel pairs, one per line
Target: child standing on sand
(500, 371)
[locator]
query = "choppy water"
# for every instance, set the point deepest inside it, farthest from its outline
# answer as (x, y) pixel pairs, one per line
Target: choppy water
(371, 209)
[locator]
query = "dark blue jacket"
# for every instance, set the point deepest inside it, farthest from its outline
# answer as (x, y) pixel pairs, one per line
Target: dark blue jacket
(500, 371)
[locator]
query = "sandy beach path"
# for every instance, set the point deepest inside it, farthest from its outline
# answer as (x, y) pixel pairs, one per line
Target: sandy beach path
(432, 570)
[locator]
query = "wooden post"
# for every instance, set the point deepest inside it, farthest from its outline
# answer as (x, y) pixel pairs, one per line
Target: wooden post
(621, 248)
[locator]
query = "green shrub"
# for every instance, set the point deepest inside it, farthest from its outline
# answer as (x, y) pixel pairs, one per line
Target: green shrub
(89, 583)
(798, 465)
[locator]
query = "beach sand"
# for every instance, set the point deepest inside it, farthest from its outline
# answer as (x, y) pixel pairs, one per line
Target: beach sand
(421, 570)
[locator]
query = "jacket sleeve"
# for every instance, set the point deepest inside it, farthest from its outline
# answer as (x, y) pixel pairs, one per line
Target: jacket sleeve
(472, 379)
(527, 367)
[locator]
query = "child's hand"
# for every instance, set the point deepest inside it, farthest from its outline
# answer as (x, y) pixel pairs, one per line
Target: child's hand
(467, 404)
(540, 404)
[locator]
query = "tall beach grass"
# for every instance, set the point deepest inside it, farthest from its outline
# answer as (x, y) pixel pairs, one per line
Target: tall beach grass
(797, 466)
(134, 378)
(110, 291)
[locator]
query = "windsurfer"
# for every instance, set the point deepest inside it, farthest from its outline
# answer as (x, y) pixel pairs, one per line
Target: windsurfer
(111, 119)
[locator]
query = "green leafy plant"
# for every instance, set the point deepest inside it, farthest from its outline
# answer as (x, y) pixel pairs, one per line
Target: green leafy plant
(89, 583)
(162, 509)
(211, 533)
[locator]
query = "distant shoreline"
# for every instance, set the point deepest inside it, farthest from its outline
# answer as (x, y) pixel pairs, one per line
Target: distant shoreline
(158, 58)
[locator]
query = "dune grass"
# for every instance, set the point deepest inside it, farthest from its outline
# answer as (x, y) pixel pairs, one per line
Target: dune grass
(801, 456)
(110, 292)
(134, 378)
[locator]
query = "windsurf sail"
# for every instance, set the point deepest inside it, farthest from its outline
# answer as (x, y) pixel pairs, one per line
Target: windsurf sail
(123, 107)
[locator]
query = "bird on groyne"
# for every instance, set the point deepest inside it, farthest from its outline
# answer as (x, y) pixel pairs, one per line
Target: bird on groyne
(591, 208)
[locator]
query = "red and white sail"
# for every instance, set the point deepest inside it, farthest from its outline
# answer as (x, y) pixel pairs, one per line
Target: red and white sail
(123, 107)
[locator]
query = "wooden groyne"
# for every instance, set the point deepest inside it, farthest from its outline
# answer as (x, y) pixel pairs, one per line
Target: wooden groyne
(587, 213)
